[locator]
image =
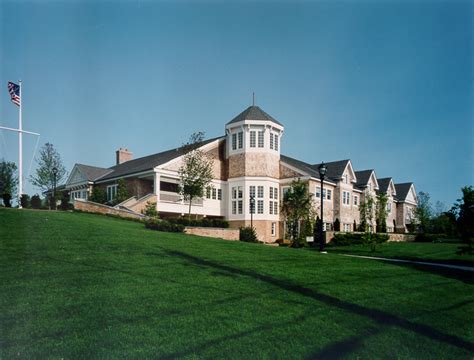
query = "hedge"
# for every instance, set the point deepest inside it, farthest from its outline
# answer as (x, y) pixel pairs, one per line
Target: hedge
(163, 225)
(205, 222)
(356, 238)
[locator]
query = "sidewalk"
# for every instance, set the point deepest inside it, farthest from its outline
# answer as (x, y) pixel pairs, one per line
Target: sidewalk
(457, 267)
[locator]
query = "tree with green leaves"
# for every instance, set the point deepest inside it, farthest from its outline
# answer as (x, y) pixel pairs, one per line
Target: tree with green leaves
(195, 173)
(98, 195)
(367, 211)
(122, 192)
(50, 171)
(423, 212)
(8, 181)
(296, 207)
(463, 210)
(381, 212)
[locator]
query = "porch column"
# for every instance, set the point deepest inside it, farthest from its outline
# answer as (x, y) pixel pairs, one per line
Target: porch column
(156, 187)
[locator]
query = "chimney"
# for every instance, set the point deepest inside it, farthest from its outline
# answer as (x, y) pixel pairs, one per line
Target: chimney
(123, 155)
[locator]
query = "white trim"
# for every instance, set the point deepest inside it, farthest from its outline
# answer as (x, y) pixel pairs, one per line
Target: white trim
(147, 172)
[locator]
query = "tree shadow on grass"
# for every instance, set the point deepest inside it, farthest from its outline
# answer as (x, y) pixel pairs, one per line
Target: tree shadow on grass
(382, 318)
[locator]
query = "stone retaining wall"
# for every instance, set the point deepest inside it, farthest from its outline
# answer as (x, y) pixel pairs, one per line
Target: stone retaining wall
(221, 233)
(391, 236)
(96, 208)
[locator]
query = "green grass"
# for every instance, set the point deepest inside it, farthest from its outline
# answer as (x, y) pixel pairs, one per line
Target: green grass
(84, 286)
(445, 252)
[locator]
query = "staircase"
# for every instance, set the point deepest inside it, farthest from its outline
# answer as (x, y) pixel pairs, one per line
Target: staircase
(137, 205)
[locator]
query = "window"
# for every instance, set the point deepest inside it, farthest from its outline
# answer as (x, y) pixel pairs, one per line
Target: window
(329, 194)
(345, 179)
(260, 192)
(234, 207)
(284, 191)
(219, 194)
(208, 192)
(276, 142)
(271, 193)
(240, 204)
(369, 186)
(260, 207)
(346, 198)
(275, 193)
(169, 186)
(240, 192)
(111, 192)
(240, 135)
(260, 139)
(318, 192)
(389, 207)
(234, 141)
(214, 193)
(271, 207)
(237, 204)
(234, 193)
(275, 208)
(274, 229)
(252, 191)
(271, 141)
(253, 139)
(347, 227)
(356, 200)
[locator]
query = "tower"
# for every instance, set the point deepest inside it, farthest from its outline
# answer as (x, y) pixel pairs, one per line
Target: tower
(253, 155)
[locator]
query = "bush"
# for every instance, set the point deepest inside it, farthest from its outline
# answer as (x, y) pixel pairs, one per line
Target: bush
(98, 195)
(248, 234)
(342, 239)
(150, 210)
(163, 225)
(7, 198)
(25, 201)
(423, 237)
(35, 202)
(205, 222)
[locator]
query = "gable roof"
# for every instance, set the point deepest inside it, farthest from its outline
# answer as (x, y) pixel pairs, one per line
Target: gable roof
(384, 184)
(403, 190)
(92, 172)
(148, 162)
(363, 177)
(253, 113)
(302, 166)
(335, 169)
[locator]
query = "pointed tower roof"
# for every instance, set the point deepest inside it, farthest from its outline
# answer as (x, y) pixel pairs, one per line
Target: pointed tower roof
(253, 113)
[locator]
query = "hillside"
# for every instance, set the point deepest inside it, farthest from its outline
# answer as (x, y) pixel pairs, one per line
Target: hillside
(85, 286)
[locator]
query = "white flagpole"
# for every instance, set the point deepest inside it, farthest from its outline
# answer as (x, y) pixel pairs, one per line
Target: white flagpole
(20, 152)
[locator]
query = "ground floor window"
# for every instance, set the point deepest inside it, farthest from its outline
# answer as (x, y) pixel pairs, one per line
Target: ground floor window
(274, 228)
(79, 194)
(346, 227)
(111, 192)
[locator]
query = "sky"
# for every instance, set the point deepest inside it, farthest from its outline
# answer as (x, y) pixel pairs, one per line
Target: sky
(387, 84)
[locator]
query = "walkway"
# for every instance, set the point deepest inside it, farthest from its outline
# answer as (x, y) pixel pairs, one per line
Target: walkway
(457, 267)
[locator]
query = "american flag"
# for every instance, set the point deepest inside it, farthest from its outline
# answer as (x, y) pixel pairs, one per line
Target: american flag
(14, 91)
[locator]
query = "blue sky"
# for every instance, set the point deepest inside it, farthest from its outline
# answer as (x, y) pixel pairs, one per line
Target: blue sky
(388, 84)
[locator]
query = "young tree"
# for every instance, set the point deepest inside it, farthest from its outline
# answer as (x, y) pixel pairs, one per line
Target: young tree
(366, 211)
(48, 161)
(381, 212)
(297, 206)
(8, 180)
(195, 172)
(36, 202)
(25, 201)
(98, 195)
(122, 192)
(422, 213)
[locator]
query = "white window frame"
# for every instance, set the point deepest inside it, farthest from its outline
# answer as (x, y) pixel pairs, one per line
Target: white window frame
(261, 139)
(240, 139)
(273, 228)
(253, 139)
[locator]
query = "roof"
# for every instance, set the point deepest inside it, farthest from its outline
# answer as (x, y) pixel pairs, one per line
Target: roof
(363, 177)
(403, 190)
(335, 169)
(92, 172)
(148, 162)
(383, 184)
(253, 113)
(302, 166)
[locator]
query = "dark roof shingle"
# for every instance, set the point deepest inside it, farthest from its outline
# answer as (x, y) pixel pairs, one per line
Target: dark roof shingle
(335, 169)
(92, 172)
(383, 184)
(302, 166)
(253, 113)
(363, 177)
(403, 190)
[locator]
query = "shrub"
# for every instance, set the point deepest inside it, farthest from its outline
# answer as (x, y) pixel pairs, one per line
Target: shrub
(205, 222)
(423, 237)
(98, 195)
(163, 225)
(35, 202)
(248, 234)
(7, 198)
(25, 201)
(357, 238)
(150, 210)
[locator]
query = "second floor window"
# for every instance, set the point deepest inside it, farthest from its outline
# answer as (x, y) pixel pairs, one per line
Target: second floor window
(271, 141)
(276, 142)
(346, 198)
(240, 136)
(253, 139)
(356, 200)
(260, 139)
(234, 141)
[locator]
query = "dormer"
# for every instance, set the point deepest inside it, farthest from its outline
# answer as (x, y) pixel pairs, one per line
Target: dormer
(367, 180)
(386, 186)
(253, 130)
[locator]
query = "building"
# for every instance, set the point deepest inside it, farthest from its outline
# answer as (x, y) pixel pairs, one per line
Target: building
(247, 161)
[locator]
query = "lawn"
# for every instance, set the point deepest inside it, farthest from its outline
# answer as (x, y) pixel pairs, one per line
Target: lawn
(85, 286)
(445, 252)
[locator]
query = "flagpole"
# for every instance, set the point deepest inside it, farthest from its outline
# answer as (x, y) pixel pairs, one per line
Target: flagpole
(20, 152)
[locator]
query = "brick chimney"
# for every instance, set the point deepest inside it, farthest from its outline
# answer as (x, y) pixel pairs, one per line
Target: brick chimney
(123, 155)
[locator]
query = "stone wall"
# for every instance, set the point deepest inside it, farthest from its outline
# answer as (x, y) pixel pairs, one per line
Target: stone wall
(92, 207)
(263, 228)
(391, 236)
(221, 233)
